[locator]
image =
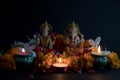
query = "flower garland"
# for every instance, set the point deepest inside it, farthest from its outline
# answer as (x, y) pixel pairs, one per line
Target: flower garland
(114, 60)
(76, 58)
(7, 62)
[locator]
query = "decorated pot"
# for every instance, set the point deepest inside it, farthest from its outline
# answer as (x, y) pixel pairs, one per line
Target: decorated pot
(100, 62)
(25, 59)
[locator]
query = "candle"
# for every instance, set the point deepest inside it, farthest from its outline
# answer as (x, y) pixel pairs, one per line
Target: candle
(101, 53)
(60, 64)
(98, 52)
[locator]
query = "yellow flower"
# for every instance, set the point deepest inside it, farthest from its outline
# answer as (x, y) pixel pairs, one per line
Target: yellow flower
(113, 60)
(7, 62)
(59, 36)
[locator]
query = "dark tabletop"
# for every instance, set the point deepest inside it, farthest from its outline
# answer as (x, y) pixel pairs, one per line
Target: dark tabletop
(29, 75)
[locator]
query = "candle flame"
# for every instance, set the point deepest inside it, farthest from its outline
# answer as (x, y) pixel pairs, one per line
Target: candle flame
(60, 60)
(99, 50)
(23, 50)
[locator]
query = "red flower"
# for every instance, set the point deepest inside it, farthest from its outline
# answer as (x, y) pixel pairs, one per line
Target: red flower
(51, 50)
(91, 71)
(59, 45)
(37, 49)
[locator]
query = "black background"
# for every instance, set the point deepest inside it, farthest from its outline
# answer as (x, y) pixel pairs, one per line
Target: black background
(95, 17)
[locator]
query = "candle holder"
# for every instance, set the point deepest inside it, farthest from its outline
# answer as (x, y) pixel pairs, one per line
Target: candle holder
(60, 66)
(101, 60)
(25, 58)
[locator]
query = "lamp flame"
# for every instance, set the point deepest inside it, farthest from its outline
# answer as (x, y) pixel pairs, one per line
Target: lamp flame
(23, 50)
(60, 60)
(99, 50)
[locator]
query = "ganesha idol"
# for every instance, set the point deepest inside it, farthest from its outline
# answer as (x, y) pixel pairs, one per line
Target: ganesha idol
(73, 34)
(73, 38)
(44, 39)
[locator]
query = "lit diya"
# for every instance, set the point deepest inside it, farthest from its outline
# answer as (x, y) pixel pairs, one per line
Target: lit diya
(25, 57)
(101, 59)
(100, 53)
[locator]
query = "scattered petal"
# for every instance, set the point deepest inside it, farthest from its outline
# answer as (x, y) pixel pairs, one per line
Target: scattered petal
(91, 71)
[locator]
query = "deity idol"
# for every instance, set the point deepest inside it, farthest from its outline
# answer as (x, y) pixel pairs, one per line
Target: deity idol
(73, 35)
(44, 39)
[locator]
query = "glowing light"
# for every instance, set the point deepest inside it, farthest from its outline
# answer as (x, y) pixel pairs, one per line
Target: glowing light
(23, 50)
(99, 50)
(60, 60)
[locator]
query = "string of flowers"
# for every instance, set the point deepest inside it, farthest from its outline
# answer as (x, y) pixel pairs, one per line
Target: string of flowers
(75, 58)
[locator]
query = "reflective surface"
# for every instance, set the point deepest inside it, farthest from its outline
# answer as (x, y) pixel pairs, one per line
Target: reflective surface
(27, 75)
